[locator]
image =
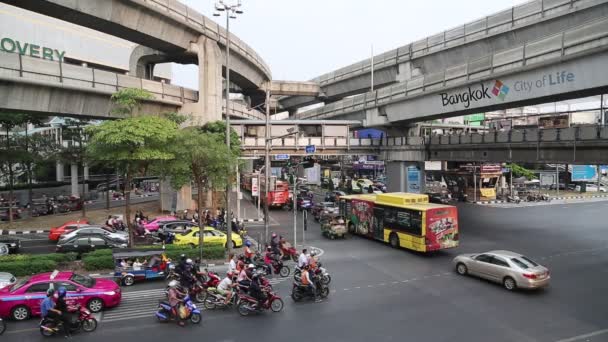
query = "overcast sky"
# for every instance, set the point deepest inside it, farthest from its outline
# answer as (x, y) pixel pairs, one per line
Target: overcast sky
(302, 39)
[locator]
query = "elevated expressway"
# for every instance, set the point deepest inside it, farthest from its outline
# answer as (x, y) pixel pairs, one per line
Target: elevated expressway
(517, 47)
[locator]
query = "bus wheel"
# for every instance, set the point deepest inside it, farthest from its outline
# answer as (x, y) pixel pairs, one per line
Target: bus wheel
(394, 240)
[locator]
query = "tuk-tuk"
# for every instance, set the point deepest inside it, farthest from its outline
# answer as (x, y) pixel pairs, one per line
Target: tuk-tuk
(131, 265)
(332, 225)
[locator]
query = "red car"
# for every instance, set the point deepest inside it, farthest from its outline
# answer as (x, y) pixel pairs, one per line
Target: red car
(67, 227)
(22, 300)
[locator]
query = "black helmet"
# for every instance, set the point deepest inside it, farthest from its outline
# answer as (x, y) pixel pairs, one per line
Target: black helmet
(50, 292)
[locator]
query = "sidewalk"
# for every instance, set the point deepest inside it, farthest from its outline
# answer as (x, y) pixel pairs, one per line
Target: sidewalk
(98, 216)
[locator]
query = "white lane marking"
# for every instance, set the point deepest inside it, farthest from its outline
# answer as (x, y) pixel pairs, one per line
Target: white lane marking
(357, 287)
(345, 289)
(381, 284)
(585, 336)
(395, 282)
(405, 281)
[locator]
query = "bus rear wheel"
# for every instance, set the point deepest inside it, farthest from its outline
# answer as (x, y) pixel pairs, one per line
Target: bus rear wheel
(394, 240)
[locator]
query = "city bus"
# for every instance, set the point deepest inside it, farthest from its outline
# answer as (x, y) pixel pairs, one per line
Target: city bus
(402, 219)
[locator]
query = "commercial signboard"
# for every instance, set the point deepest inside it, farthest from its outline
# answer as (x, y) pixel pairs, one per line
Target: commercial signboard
(584, 173)
(255, 189)
(413, 179)
(560, 121)
(570, 76)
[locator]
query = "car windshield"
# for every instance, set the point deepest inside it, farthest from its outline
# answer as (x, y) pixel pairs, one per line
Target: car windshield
(85, 281)
(20, 284)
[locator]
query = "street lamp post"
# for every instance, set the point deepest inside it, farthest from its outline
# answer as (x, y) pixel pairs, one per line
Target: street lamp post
(231, 11)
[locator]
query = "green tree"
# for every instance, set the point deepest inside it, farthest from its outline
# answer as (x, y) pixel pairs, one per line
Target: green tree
(10, 154)
(203, 158)
(520, 171)
(128, 99)
(131, 144)
(218, 128)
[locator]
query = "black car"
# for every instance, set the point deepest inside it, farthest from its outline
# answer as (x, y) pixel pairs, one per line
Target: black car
(13, 244)
(334, 196)
(85, 244)
(178, 226)
(438, 198)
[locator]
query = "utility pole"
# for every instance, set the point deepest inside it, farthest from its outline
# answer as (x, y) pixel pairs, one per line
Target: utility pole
(267, 165)
(295, 213)
(231, 12)
(557, 179)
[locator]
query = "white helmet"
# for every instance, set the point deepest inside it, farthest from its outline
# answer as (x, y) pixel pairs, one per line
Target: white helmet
(250, 266)
(189, 261)
(173, 283)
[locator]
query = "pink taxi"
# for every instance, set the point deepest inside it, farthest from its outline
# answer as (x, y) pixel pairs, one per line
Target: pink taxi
(22, 300)
(154, 224)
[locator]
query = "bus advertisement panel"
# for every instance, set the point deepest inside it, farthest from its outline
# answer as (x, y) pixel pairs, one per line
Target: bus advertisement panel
(442, 228)
(361, 218)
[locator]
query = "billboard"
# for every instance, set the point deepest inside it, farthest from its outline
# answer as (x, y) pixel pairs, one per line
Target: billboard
(413, 179)
(584, 173)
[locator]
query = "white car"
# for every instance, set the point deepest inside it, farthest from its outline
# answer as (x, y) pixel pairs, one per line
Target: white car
(591, 188)
(3, 249)
(6, 279)
(96, 230)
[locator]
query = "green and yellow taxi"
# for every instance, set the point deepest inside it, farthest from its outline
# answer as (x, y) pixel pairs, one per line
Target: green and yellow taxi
(210, 235)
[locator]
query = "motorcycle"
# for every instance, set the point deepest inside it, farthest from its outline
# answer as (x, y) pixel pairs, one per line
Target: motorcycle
(513, 199)
(171, 274)
(300, 292)
(2, 326)
(290, 253)
(163, 314)
(85, 322)
(215, 300)
(321, 272)
(249, 304)
(278, 268)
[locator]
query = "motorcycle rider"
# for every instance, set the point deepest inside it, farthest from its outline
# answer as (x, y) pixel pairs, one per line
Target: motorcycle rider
(303, 259)
(48, 310)
(175, 299)
(62, 307)
(307, 281)
(244, 278)
(248, 252)
(255, 290)
(225, 287)
(275, 244)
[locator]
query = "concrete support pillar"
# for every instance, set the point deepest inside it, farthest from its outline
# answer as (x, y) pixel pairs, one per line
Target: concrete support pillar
(85, 174)
(209, 105)
(403, 176)
(171, 200)
(74, 179)
(165, 196)
(59, 171)
(184, 199)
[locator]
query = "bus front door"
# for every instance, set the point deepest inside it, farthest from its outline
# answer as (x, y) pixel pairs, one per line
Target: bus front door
(378, 225)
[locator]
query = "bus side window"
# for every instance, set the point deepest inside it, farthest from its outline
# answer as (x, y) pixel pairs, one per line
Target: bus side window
(416, 222)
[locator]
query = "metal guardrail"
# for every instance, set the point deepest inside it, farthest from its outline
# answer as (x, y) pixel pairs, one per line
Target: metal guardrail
(553, 47)
(529, 135)
(16, 66)
(523, 14)
(209, 28)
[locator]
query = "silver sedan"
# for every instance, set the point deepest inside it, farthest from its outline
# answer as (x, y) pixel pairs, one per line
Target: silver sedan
(510, 269)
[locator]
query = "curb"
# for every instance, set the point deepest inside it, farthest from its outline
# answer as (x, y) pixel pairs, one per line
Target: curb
(579, 197)
(489, 202)
(22, 232)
